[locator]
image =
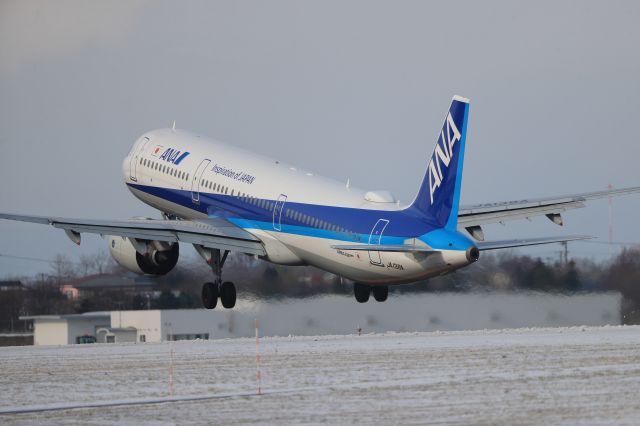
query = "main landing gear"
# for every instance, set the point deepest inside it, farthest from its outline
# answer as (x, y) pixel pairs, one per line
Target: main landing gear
(363, 291)
(225, 291)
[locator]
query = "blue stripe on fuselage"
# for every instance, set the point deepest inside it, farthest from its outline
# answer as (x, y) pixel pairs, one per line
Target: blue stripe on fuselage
(403, 224)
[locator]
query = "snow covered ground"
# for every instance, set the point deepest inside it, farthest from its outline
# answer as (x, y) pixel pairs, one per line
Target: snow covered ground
(524, 376)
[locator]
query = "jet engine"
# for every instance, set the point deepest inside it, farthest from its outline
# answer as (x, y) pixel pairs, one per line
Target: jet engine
(158, 259)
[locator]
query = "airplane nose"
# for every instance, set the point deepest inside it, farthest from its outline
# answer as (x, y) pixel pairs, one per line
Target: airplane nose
(473, 254)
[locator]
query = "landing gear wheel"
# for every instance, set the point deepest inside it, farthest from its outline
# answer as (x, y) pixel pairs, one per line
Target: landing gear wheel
(362, 292)
(380, 293)
(228, 294)
(209, 295)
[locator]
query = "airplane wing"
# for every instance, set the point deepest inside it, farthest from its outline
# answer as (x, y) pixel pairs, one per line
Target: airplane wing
(471, 217)
(490, 245)
(216, 233)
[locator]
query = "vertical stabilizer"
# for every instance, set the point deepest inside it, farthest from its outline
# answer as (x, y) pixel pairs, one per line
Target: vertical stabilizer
(439, 194)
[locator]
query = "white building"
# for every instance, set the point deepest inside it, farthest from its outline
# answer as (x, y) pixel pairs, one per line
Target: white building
(67, 329)
(333, 315)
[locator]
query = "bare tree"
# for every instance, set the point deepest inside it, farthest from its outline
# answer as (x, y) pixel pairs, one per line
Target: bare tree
(96, 263)
(62, 269)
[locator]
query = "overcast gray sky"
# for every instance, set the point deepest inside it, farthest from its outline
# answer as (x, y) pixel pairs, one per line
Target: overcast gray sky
(353, 89)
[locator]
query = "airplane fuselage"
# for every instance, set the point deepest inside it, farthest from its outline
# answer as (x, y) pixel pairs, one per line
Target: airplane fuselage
(297, 215)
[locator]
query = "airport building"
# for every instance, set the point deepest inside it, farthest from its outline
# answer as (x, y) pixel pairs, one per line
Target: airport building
(332, 315)
(122, 326)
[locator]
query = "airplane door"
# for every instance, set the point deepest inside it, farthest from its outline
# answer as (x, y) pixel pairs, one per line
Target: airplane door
(375, 238)
(197, 181)
(277, 212)
(134, 160)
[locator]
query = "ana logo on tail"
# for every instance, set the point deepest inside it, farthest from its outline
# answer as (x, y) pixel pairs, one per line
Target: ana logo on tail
(443, 154)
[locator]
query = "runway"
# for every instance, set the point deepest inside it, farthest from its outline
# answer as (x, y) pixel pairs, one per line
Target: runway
(588, 375)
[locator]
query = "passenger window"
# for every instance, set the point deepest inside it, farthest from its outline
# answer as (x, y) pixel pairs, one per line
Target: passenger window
(187, 178)
(232, 192)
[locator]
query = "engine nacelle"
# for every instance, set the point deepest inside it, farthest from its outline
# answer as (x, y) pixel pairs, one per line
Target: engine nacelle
(156, 262)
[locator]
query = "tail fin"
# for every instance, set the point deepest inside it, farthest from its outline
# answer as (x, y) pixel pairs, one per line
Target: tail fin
(439, 194)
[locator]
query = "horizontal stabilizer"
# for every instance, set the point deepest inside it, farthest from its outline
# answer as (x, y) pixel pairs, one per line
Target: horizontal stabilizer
(384, 247)
(494, 245)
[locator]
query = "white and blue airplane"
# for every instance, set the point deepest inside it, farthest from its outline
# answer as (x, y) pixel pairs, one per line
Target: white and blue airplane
(220, 198)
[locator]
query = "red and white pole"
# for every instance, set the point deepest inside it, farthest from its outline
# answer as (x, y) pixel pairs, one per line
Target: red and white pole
(258, 375)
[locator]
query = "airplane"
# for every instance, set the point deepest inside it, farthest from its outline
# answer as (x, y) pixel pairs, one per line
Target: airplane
(223, 199)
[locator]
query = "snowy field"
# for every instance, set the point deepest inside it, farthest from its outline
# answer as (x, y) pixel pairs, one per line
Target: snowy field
(586, 375)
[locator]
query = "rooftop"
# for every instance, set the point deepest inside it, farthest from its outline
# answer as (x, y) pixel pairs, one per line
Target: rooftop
(100, 281)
